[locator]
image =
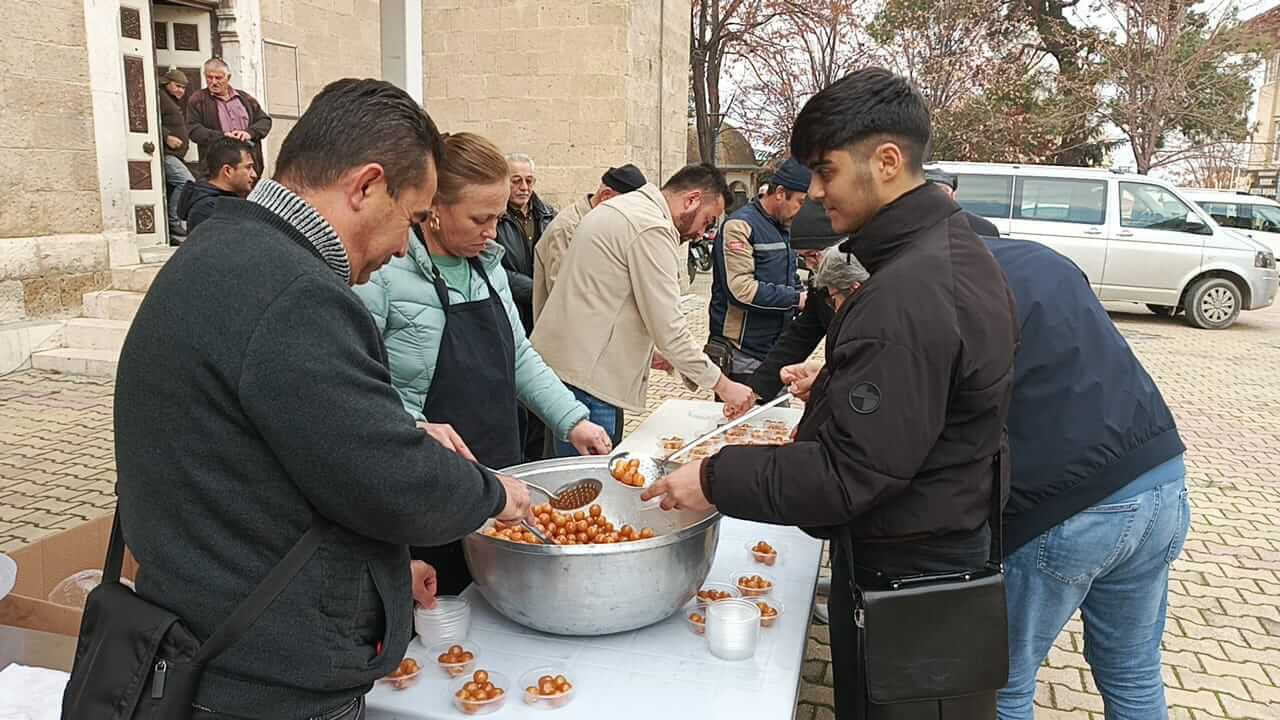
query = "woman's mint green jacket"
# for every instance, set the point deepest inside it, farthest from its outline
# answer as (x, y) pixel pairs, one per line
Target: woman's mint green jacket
(404, 304)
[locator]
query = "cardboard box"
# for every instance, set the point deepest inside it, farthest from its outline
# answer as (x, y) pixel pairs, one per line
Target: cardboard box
(47, 562)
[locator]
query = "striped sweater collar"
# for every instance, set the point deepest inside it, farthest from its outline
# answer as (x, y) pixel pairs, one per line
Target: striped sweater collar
(291, 208)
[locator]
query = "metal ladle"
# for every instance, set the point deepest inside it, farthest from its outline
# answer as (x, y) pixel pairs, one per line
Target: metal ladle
(575, 495)
(668, 465)
(570, 496)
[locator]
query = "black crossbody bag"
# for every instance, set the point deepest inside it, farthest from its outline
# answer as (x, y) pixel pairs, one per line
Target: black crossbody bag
(135, 660)
(935, 636)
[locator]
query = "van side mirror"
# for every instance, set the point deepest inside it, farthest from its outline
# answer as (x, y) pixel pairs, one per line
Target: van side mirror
(1193, 224)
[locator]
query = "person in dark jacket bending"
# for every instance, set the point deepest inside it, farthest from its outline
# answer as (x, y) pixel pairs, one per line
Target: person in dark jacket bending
(898, 444)
(811, 234)
(1097, 512)
(253, 396)
(949, 184)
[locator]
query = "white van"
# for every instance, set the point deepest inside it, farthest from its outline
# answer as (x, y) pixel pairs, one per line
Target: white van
(1254, 215)
(1136, 237)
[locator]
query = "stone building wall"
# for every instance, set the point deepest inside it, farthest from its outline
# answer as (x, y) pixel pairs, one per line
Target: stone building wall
(657, 84)
(51, 249)
(333, 38)
(553, 79)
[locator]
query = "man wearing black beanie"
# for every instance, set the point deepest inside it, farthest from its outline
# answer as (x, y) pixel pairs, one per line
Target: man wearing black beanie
(548, 253)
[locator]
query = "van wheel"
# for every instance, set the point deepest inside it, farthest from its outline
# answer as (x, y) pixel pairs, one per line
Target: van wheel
(1213, 304)
(1161, 310)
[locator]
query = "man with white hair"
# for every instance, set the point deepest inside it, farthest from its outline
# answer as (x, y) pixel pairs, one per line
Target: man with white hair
(519, 230)
(220, 110)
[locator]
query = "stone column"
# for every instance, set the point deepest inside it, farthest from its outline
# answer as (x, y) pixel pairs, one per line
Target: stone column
(240, 36)
(402, 45)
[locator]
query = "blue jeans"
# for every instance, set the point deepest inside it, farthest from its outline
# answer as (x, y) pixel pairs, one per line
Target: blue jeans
(603, 414)
(176, 174)
(1111, 562)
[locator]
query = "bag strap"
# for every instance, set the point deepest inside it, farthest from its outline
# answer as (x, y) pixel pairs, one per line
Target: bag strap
(995, 518)
(115, 551)
(247, 612)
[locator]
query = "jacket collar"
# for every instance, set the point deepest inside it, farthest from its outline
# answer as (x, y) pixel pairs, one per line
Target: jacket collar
(896, 225)
(490, 257)
(538, 210)
(298, 213)
(655, 196)
(758, 207)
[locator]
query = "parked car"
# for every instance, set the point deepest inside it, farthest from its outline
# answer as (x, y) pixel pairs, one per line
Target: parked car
(1254, 215)
(1137, 238)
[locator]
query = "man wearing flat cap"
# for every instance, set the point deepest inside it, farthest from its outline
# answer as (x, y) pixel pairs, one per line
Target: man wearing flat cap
(549, 252)
(949, 183)
(173, 128)
(755, 289)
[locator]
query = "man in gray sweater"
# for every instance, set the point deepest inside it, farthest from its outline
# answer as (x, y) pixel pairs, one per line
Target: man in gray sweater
(252, 393)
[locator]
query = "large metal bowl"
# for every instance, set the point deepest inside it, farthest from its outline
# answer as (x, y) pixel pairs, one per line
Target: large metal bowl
(596, 589)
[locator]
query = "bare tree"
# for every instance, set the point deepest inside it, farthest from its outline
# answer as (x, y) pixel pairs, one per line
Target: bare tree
(801, 49)
(981, 73)
(717, 28)
(1179, 78)
(1077, 75)
(1219, 166)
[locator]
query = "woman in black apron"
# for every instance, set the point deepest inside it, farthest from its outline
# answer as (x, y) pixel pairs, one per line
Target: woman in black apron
(455, 355)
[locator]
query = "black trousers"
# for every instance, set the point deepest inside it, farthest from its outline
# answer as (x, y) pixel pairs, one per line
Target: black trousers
(935, 555)
(452, 574)
(353, 710)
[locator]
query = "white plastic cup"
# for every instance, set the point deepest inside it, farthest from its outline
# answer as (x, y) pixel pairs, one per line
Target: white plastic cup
(733, 628)
(449, 621)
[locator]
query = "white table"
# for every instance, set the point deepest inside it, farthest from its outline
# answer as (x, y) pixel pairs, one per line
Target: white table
(664, 669)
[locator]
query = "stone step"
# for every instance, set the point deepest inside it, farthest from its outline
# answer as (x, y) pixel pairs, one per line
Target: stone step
(134, 278)
(96, 334)
(78, 361)
(156, 254)
(112, 304)
(21, 338)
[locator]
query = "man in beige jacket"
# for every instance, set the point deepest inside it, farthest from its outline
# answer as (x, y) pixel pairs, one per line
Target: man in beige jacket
(618, 295)
(548, 254)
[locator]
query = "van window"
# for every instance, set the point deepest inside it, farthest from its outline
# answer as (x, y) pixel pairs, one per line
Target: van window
(985, 195)
(1229, 214)
(1151, 207)
(1061, 200)
(1266, 219)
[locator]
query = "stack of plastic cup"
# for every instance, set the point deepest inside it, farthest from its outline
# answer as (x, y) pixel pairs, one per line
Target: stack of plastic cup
(733, 628)
(449, 620)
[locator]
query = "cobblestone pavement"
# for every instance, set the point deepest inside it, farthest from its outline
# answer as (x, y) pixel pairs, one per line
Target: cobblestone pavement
(1222, 645)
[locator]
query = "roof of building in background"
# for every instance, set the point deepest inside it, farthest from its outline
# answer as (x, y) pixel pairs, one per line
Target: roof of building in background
(733, 150)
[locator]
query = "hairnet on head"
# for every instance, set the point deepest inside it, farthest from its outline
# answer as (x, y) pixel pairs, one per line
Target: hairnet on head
(839, 271)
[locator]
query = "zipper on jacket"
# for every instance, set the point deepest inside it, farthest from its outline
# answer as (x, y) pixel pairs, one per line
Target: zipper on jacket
(157, 683)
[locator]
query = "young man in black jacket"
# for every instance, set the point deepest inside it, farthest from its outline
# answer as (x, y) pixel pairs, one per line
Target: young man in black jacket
(1098, 499)
(898, 444)
(253, 397)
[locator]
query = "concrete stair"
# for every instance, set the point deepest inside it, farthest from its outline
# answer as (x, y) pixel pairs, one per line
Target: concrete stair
(91, 344)
(78, 361)
(113, 304)
(96, 333)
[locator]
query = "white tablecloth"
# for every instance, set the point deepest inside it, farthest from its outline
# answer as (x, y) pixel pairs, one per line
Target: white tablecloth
(663, 669)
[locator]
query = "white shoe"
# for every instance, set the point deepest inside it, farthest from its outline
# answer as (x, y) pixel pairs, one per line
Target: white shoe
(820, 613)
